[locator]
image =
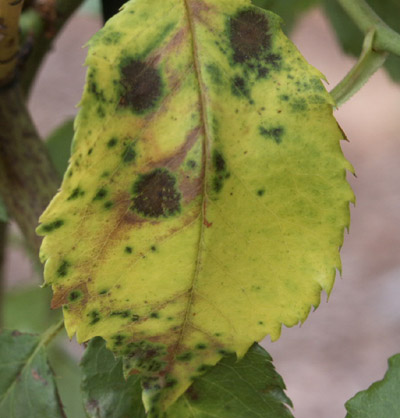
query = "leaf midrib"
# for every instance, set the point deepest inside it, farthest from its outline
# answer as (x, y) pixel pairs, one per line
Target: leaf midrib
(205, 153)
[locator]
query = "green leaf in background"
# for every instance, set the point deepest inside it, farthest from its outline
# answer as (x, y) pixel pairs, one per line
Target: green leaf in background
(59, 145)
(27, 386)
(232, 389)
(351, 38)
(381, 399)
(3, 211)
(27, 308)
(288, 10)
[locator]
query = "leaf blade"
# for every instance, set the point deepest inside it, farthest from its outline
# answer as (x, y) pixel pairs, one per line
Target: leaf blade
(213, 175)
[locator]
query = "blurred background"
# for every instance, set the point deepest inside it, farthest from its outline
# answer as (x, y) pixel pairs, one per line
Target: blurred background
(344, 345)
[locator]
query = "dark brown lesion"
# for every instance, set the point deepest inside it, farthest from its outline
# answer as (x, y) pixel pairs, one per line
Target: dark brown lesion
(155, 194)
(249, 35)
(142, 85)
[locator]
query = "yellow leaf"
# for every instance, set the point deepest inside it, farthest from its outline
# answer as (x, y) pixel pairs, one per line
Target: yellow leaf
(205, 200)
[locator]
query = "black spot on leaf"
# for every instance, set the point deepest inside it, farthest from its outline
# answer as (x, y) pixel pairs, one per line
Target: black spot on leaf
(129, 154)
(94, 317)
(77, 192)
(249, 35)
(74, 295)
(239, 87)
(51, 226)
(128, 250)
(62, 270)
(155, 194)
(142, 86)
(220, 168)
(112, 142)
(100, 194)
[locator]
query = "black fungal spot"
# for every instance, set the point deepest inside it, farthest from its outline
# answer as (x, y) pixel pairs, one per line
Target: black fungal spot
(155, 315)
(223, 352)
(101, 112)
(274, 133)
(284, 97)
(129, 154)
(77, 192)
(52, 226)
(109, 204)
(142, 85)
(100, 194)
(185, 356)
(90, 151)
(135, 318)
(62, 270)
(94, 88)
(203, 368)
(153, 248)
(103, 292)
(262, 72)
(156, 195)
(260, 192)
(112, 38)
(74, 295)
(112, 142)
(260, 323)
(128, 250)
(249, 35)
(274, 60)
(299, 105)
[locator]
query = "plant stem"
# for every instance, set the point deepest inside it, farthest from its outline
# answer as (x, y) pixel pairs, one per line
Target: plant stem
(9, 39)
(28, 180)
(3, 239)
(386, 39)
(368, 63)
(51, 333)
(42, 24)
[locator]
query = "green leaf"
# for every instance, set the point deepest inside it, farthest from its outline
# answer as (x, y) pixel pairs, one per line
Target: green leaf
(231, 389)
(351, 38)
(59, 145)
(205, 200)
(289, 10)
(3, 211)
(27, 386)
(381, 399)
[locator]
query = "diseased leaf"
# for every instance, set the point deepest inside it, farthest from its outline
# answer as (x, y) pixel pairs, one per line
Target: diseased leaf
(27, 387)
(248, 388)
(381, 399)
(205, 200)
(351, 38)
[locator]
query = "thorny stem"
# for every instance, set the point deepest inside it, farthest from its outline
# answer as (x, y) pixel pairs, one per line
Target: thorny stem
(9, 39)
(379, 41)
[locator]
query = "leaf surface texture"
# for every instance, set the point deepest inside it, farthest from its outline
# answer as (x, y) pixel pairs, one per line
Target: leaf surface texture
(205, 200)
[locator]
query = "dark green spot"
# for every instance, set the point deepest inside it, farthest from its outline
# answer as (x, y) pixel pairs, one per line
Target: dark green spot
(100, 194)
(215, 74)
(155, 315)
(260, 192)
(239, 87)
(90, 151)
(185, 356)
(274, 133)
(153, 248)
(122, 314)
(129, 154)
(112, 38)
(103, 292)
(94, 317)
(77, 192)
(220, 168)
(51, 226)
(62, 270)
(101, 112)
(155, 194)
(75, 295)
(109, 204)
(118, 339)
(192, 164)
(201, 346)
(112, 142)
(128, 250)
(135, 318)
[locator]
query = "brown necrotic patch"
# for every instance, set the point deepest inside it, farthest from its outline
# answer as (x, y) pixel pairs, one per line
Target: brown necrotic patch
(142, 85)
(155, 194)
(249, 35)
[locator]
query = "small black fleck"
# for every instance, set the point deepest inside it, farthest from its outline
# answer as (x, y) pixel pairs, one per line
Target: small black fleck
(155, 315)
(128, 250)
(103, 292)
(52, 226)
(153, 248)
(239, 87)
(90, 151)
(129, 154)
(135, 318)
(77, 192)
(260, 192)
(274, 133)
(109, 204)
(74, 295)
(192, 164)
(94, 317)
(201, 346)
